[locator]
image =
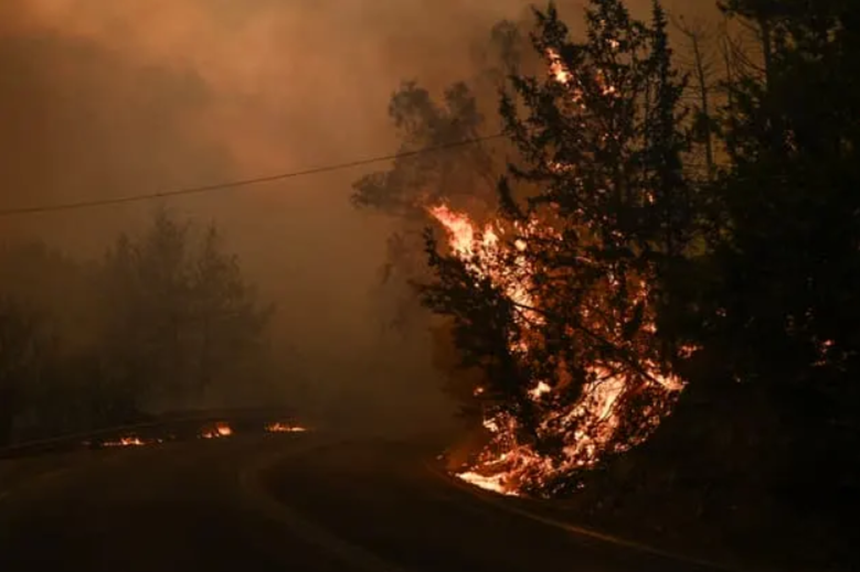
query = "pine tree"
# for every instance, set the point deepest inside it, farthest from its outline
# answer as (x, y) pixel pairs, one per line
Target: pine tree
(568, 306)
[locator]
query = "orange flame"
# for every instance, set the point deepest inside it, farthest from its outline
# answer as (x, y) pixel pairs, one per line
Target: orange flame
(495, 483)
(284, 428)
(220, 429)
(463, 236)
(128, 441)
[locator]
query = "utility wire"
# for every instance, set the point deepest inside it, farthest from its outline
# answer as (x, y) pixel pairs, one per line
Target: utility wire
(83, 204)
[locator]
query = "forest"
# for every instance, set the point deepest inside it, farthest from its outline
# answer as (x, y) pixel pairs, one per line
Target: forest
(643, 271)
(164, 321)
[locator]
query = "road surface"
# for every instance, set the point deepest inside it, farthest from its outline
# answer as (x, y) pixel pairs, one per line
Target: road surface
(274, 502)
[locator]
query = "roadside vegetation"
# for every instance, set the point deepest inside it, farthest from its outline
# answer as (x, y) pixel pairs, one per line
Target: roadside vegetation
(645, 292)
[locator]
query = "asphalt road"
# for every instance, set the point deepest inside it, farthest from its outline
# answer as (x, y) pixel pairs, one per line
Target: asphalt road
(275, 502)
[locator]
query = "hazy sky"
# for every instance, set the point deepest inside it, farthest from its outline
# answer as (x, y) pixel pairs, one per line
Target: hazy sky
(101, 98)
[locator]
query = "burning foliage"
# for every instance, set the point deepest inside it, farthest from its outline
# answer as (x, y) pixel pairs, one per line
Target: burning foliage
(557, 300)
(608, 405)
(554, 290)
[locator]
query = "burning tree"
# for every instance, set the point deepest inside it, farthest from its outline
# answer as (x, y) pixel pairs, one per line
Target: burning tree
(561, 301)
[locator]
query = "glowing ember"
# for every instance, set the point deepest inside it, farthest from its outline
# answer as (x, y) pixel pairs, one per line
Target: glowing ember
(541, 389)
(284, 428)
(557, 69)
(219, 430)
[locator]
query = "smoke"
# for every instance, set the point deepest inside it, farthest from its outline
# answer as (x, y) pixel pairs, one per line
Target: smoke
(101, 99)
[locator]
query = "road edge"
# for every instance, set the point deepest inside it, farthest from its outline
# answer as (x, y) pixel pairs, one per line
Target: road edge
(498, 502)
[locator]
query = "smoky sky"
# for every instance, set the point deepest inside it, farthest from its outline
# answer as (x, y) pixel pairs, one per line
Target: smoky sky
(102, 98)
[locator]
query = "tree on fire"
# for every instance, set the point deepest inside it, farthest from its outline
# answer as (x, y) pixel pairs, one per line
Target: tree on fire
(615, 258)
(751, 272)
(600, 141)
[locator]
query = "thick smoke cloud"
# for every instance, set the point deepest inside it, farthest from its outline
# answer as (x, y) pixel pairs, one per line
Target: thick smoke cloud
(100, 98)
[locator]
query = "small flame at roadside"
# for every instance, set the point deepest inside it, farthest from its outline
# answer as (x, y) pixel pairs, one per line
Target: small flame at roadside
(284, 428)
(495, 483)
(128, 441)
(218, 430)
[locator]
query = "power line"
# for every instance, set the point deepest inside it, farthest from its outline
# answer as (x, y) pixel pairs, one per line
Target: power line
(239, 182)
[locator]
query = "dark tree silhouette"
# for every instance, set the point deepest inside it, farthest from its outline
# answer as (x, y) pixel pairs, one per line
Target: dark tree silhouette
(23, 350)
(782, 305)
(179, 313)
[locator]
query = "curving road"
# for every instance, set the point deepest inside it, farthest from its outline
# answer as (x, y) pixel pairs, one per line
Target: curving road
(274, 502)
